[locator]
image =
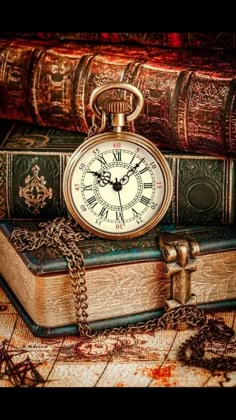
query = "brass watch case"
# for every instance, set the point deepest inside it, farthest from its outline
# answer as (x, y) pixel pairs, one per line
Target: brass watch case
(139, 141)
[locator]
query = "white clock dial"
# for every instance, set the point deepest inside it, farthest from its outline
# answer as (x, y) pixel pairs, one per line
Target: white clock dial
(116, 186)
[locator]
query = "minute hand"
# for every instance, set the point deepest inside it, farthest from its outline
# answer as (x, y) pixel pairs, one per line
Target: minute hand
(130, 172)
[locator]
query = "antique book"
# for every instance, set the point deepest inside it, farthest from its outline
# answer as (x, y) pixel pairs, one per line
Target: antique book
(209, 40)
(33, 160)
(189, 97)
(126, 280)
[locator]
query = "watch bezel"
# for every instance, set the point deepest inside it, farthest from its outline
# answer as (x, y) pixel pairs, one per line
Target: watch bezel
(139, 141)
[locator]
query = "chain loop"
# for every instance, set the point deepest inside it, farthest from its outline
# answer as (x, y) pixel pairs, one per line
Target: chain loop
(63, 234)
(193, 350)
(94, 129)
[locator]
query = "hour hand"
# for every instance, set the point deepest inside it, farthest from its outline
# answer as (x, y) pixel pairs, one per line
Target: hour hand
(103, 178)
(124, 180)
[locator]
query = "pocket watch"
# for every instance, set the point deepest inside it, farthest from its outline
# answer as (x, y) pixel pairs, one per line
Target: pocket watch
(117, 184)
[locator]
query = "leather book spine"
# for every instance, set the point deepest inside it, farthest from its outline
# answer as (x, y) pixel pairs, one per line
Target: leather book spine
(189, 100)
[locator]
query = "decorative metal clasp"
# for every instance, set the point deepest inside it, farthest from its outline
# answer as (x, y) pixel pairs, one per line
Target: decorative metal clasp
(180, 255)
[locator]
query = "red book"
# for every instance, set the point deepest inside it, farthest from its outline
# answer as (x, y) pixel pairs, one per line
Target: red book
(189, 97)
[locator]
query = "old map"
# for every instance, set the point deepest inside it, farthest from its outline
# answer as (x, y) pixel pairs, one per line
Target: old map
(132, 360)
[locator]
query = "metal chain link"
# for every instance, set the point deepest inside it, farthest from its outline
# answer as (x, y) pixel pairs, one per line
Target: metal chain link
(65, 235)
(189, 314)
(193, 350)
(95, 129)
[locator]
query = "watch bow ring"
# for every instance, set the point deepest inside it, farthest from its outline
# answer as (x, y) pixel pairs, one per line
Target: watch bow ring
(117, 184)
(132, 89)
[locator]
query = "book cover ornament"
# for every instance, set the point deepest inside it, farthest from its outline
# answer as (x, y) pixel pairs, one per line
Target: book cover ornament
(117, 184)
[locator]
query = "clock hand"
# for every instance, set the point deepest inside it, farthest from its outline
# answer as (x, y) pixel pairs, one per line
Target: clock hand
(118, 187)
(124, 180)
(103, 178)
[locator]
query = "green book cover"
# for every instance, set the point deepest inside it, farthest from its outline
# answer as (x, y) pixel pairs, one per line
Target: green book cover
(33, 160)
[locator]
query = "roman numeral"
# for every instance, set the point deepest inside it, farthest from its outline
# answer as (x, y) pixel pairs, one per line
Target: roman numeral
(101, 160)
(147, 185)
(92, 200)
(144, 200)
(89, 187)
(104, 212)
(135, 213)
(119, 215)
(143, 170)
(117, 155)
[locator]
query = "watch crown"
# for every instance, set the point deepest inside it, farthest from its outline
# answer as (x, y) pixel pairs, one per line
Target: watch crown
(116, 106)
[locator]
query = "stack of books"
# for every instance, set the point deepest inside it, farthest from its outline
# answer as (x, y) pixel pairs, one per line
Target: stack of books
(189, 113)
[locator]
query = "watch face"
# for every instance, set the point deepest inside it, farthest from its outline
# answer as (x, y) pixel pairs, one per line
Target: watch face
(117, 185)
